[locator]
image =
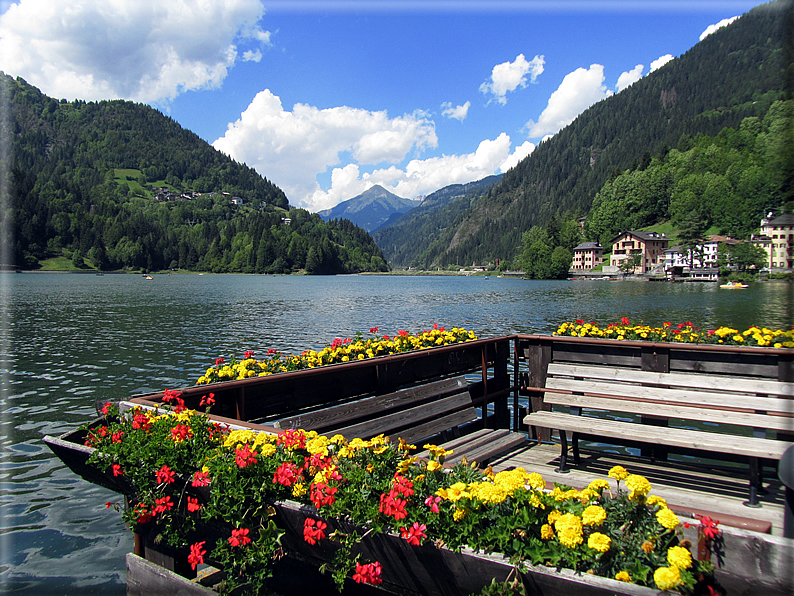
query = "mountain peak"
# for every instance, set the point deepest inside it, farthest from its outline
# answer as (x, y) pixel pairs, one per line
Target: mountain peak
(371, 209)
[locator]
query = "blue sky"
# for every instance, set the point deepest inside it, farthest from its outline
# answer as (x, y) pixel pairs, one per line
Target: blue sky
(326, 98)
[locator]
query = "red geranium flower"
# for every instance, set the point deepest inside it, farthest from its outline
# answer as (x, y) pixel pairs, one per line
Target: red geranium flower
(164, 474)
(193, 504)
(625, 321)
(286, 474)
(433, 502)
(116, 437)
(313, 530)
(207, 400)
(196, 556)
(244, 457)
(162, 505)
(201, 479)
(106, 408)
(117, 471)
(248, 354)
(142, 512)
(414, 534)
(373, 330)
(368, 574)
(219, 361)
(402, 333)
(292, 439)
(322, 494)
(239, 537)
(181, 432)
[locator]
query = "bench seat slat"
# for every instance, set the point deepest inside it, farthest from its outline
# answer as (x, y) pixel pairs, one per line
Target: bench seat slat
(425, 413)
(674, 437)
(684, 412)
(335, 416)
(689, 380)
(435, 426)
(499, 440)
(682, 396)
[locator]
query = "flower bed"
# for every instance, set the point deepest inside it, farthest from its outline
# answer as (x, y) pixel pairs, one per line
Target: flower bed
(340, 350)
(188, 471)
(682, 333)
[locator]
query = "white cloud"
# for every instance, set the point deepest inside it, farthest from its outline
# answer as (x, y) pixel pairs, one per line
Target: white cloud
(578, 91)
(660, 61)
(629, 77)
(421, 176)
(293, 148)
(252, 56)
(520, 153)
(458, 113)
(508, 76)
(146, 50)
(712, 28)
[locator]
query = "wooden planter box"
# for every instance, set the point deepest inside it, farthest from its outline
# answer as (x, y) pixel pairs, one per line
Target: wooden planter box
(753, 562)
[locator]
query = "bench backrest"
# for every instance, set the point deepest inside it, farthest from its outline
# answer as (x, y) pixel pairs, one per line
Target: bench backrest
(412, 414)
(755, 403)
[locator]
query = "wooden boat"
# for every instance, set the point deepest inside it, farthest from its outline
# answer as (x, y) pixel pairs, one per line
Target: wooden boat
(753, 559)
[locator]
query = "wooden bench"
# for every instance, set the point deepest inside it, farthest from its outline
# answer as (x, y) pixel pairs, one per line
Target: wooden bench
(736, 417)
(441, 411)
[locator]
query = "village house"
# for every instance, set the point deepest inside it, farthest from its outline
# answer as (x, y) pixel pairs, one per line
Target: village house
(586, 256)
(651, 245)
(777, 240)
(704, 256)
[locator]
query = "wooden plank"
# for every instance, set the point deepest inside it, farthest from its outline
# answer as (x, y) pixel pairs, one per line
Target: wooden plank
(657, 408)
(437, 425)
(403, 418)
(335, 416)
(693, 381)
(500, 441)
(689, 439)
(683, 396)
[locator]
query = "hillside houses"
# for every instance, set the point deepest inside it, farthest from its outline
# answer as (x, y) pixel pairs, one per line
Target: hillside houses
(651, 245)
(777, 239)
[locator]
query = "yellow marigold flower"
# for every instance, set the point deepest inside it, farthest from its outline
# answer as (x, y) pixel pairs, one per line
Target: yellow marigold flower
(267, 450)
(535, 480)
(434, 466)
(569, 530)
(459, 514)
(317, 446)
(666, 578)
(457, 491)
(623, 576)
(534, 500)
(337, 439)
(618, 473)
(511, 480)
(647, 546)
(667, 519)
(299, 489)
(546, 532)
(655, 500)
(487, 492)
(598, 541)
(678, 556)
(554, 516)
(594, 515)
(638, 485)
(598, 484)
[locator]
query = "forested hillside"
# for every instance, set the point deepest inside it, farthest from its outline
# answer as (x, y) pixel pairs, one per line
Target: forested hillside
(738, 72)
(124, 186)
(418, 237)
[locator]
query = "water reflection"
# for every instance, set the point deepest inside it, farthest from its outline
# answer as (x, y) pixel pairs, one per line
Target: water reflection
(76, 339)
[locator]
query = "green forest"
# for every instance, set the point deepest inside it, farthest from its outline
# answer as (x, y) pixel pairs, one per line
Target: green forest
(114, 185)
(708, 134)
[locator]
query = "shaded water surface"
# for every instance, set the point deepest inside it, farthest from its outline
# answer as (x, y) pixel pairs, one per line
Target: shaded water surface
(71, 340)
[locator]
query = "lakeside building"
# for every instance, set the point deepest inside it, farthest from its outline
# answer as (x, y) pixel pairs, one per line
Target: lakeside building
(777, 239)
(586, 256)
(651, 245)
(678, 260)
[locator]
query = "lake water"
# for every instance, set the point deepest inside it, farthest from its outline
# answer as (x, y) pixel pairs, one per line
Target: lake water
(67, 341)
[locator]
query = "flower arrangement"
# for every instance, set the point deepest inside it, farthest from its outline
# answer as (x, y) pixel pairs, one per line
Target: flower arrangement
(682, 332)
(340, 350)
(185, 469)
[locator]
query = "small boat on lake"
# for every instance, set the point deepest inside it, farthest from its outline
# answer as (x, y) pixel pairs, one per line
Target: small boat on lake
(734, 285)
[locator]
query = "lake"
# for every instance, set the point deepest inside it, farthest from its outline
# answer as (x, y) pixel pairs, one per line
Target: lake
(69, 340)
